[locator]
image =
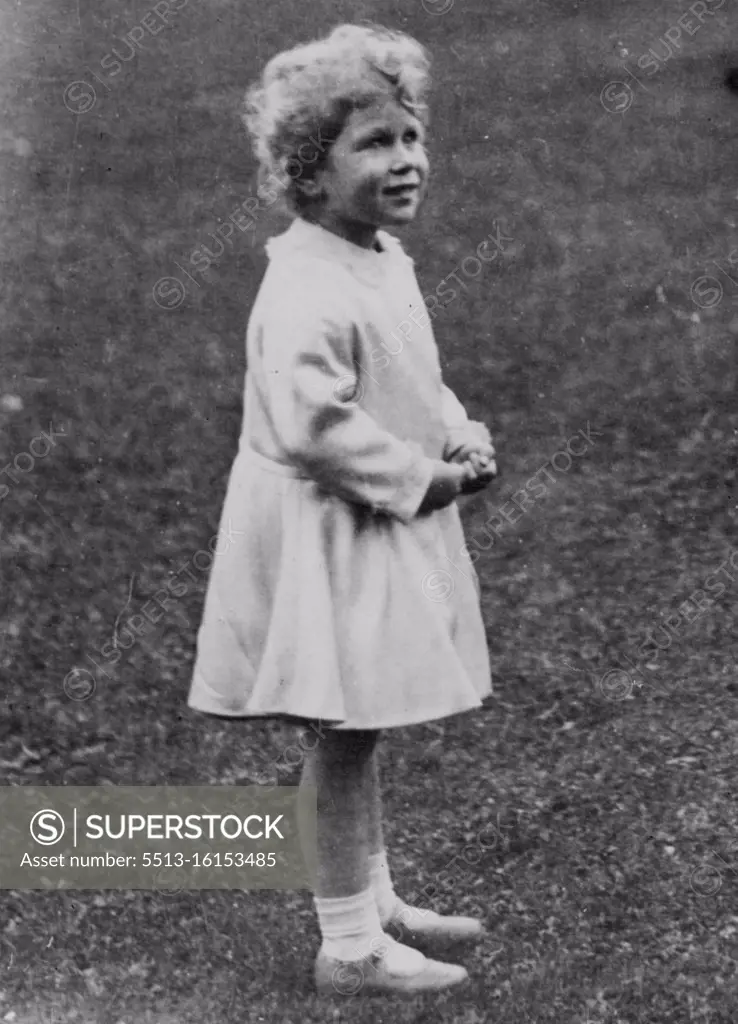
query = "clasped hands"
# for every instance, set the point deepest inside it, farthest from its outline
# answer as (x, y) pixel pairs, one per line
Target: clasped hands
(478, 462)
(468, 470)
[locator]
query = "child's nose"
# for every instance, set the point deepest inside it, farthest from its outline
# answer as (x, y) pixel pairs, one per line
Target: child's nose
(402, 158)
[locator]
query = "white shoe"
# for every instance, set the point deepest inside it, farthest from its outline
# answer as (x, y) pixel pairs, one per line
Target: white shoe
(391, 969)
(431, 932)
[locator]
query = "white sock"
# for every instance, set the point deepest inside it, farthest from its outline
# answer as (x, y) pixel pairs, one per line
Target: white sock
(384, 893)
(350, 926)
(389, 904)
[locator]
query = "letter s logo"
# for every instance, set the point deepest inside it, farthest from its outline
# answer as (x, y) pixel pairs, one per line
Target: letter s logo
(616, 100)
(47, 827)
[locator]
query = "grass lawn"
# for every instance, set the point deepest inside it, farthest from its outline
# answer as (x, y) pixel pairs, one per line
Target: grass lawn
(610, 313)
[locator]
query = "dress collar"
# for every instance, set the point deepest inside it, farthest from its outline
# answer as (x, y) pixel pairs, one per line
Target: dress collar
(369, 265)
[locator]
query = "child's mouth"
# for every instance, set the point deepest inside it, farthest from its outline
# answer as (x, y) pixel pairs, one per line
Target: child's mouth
(402, 191)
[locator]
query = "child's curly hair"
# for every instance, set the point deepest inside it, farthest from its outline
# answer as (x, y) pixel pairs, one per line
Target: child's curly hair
(306, 94)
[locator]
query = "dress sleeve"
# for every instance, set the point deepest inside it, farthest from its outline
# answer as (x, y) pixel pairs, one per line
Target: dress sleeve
(460, 430)
(314, 389)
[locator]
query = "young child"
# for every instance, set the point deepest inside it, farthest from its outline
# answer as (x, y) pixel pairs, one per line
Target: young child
(325, 608)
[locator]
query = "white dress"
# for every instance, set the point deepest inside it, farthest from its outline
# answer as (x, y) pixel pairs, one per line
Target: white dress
(329, 597)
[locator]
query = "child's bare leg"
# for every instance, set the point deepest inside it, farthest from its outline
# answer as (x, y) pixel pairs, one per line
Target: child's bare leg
(344, 900)
(373, 801)
(336, 767)
(379, 873)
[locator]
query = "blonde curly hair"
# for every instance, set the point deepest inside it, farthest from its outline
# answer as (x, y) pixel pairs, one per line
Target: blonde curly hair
(305, 96)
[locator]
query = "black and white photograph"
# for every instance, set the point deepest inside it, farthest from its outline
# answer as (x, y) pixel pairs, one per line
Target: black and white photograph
(368, 512)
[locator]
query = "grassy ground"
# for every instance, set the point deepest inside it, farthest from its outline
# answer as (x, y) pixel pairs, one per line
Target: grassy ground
(609, 790)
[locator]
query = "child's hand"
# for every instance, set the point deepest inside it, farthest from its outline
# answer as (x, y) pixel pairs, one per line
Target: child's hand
(481, 466)
(449, 481)
(478, 481)
(474, 448)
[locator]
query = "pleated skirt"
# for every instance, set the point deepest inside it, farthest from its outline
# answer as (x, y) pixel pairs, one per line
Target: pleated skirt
(319, 609)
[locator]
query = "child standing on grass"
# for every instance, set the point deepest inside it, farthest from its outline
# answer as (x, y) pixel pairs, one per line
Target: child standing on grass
(326, 608)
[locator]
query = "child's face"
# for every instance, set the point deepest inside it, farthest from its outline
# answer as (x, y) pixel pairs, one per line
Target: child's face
(375, 174)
